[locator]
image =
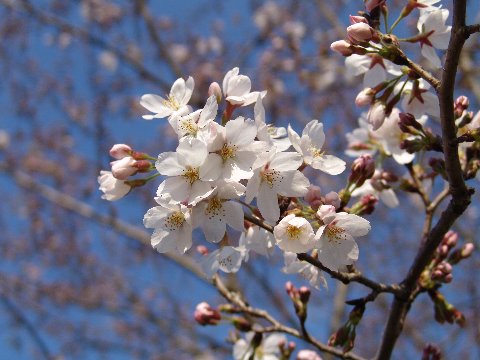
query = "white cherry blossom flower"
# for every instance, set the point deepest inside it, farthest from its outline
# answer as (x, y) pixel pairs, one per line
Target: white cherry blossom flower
(271, 135)
(375, 69)
(294, 234)
(227, 259)
(112, 188)
(268, 349)
(379, 189)
(436, 35)
(310, 147)
(175, 103)
(235, 148)
(236, 89)
(306, 270)
(191, 170)
(361, 141)
(390, 137)
(215, 212)
(275, 173)
(258, 240)
(172, 227)
(191, 124)
(418, 100)
(336, 237)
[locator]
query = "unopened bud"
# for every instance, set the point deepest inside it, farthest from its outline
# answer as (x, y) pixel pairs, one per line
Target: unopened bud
(372, 4)
(119, 151)
(143, 165)
(342, 47)
(205, 315)
(460, 105)
(123, 168)
(376, 114)
(214, 89)
(450, 239)
(304, 294)
(241, 324)
(360, 33)
(431, 352)
(368, 203)
(355, 19)
(467, 250)
(332, 198)
(202, 250)
(363, 168)
(408, 120)
(365, 97)
(314, 197)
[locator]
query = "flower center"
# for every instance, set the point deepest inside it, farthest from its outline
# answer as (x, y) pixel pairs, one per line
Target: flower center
(188, 125)
(335, 234)
(227, 152)
(214, 207)
(270, 177)
(171, 102)
(316, 152)
(175, 221)
(293, 232)
(191, 174)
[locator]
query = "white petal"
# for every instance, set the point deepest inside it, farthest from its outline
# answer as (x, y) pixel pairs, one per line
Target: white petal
(294, 139)
(330, 164)
(167, 164)
(234, 215)
(294, 183)
(239, 85)
(211, 168)
(353, 224)
(286, 161)
(268, 203)
(389, 198)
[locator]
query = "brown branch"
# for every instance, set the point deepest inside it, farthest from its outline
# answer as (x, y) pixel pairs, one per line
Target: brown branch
(276, 326)
(461, 195)
(355, 276)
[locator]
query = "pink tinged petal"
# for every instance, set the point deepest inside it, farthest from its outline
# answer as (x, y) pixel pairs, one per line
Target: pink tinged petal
(240, 132)
(330, 164)
(286, 161)
(293, 183)
(168, 164)
(314, 130)
(353, 224)
(239, 85)
(234, 215)
(357, 64)
(389, 198)
(211, 168)
(194, 151)
(294, 139)
(267, 203)
(253, 186)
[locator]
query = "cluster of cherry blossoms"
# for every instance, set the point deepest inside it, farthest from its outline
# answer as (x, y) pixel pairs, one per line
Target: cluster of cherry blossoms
(240, 174)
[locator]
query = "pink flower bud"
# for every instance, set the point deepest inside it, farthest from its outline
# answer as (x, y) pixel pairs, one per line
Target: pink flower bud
(313, 194)
(214, 89)
(202, 250)
(376, 115)
(467, 250)
(205, 315)
(123, 168)
(342, 47)
(308, 355)
(289, 288)
(360, 32)
(119, 151)
(332, 198)
(304, 294)
(450, 239)
(363, 168)
(460, 105)
(365, 97)
(368, 203)
(355, 19)
(291, 346)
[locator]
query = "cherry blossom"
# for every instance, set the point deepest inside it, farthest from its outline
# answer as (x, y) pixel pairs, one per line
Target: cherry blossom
(227, 259)
(275, 173)
(306, 270)
(294, 234)
(418, 100)
(268, 349)
(375, 69)
(191, 170)
(434, 34)
(310, 145)
(236, 89)
(113, 189)
(175, 103)
(379, 188)
(258, 240)
(215, 212)
(191, 124)
(271, 135)
(172, 227)
(336, 237)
